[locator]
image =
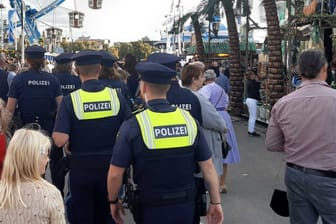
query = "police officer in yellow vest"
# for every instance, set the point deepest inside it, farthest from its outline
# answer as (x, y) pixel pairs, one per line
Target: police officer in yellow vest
(89, 119)
(163, 144)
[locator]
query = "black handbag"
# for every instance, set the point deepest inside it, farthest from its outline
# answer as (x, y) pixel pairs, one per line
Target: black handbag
(225, 146)
(279, 203)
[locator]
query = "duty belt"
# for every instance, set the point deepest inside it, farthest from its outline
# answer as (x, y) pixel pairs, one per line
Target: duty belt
(167, 198)
(323, 173)
(38, 117)
(90, 162)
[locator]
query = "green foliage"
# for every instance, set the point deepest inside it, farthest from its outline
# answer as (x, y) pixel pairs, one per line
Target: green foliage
(73, 46)
(138, 48)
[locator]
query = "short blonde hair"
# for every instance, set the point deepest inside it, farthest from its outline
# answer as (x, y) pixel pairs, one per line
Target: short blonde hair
(88, 70)
(22, 164)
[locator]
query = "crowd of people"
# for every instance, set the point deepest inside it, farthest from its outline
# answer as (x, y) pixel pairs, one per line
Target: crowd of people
(83, 111)
(116, 129)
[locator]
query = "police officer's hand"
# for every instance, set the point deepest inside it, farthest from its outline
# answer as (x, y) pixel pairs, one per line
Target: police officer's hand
(215, 214)
(116, 211)
(66, 149)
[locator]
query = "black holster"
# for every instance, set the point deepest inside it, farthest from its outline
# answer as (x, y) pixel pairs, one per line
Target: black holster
(130, 201)
(201, 200)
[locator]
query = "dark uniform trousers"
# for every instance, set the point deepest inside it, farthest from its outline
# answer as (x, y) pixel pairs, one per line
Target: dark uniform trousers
(56, 154)
(88, 181)
(3, 85)
(176, 213)
(58, 168)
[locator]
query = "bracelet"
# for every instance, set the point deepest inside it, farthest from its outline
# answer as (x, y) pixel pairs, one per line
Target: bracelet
(219, 203)
(113, 202)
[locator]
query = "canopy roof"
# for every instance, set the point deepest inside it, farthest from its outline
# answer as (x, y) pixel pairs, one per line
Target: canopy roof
(219, 48)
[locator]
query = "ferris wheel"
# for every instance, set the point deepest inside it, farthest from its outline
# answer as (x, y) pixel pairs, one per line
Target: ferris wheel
(31, 12)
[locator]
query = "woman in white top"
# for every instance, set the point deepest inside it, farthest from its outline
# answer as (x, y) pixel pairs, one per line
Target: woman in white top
(25, 197)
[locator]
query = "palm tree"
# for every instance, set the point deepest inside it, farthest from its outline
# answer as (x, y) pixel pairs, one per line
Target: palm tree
(209, 7)
(236, 77)
(275, 82)
(178, 27)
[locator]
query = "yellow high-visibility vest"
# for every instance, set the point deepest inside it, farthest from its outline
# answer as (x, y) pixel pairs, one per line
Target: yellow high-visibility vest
(95, 105)
(167, 130)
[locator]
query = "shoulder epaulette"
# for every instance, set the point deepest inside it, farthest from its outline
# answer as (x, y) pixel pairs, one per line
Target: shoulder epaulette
(139, 110)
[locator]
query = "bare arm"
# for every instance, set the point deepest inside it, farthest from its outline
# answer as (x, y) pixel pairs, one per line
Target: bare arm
(11, 105)
(114, 182)
(215, 212)
(58, 101)
(60, 139)
(310, 9)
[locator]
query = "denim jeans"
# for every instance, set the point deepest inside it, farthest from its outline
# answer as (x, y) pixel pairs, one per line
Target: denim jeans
(309, 197)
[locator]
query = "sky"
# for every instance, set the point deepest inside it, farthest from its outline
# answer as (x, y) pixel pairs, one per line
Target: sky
(118, 20)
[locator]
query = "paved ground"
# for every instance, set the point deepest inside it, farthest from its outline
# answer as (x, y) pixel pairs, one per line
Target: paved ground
(251, 182)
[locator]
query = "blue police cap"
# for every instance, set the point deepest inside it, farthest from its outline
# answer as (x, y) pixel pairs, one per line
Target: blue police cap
(64, 58)
(87, 57)
(107, 59)
(35, 51)
(165, 59)
(154, 72)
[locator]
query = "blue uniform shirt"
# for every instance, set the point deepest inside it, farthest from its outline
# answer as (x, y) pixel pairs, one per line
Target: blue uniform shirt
(183, 98)
(130, 148)
(36, 92)
(117, 85)
(68, 82)
(4, 85)
(90, 137)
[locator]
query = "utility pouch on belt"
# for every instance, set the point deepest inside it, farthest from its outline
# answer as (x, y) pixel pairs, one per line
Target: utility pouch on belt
(201, 201)
(129, 200)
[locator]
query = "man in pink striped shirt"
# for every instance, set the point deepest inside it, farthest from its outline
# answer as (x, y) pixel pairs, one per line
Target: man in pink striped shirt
(303, 126)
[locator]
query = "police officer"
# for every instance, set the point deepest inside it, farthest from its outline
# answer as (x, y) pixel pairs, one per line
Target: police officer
(69, 82)
(88, 119)
(63, 72)
(178, 96)
(109, 76)
(162, 143)
(199, 107)
(5, 79)
(36, 93)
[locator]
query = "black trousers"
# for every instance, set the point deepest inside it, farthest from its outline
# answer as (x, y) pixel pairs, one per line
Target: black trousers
(57, 168)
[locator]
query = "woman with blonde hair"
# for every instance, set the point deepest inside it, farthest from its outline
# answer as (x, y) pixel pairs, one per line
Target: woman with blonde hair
(25, 197)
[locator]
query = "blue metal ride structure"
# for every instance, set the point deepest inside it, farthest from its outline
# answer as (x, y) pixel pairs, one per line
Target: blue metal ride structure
(30, 27)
